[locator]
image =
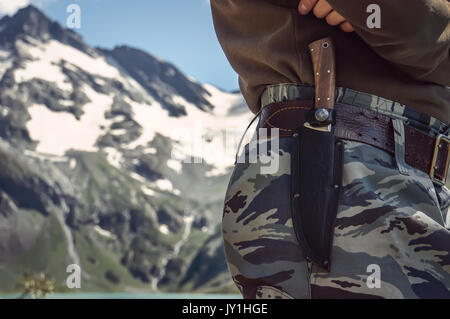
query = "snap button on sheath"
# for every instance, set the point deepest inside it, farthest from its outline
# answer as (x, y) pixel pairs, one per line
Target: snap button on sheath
(322, 115)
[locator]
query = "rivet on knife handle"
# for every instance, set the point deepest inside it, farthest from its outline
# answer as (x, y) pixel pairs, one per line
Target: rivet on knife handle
(323, 58)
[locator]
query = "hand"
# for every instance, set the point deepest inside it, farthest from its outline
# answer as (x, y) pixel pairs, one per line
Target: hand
(322, 9)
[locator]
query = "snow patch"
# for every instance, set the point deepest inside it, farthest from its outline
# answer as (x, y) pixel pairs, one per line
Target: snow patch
(4, 111)
(99, 81)
(175, 165)
(138, 177)
(119, 118)
(44, 65)
(72, 163)
(188, 219)
(119, 131)
(216, 172)
(65, 103)
(222, 101)
(5, 62)
(166, 185)
(104, 232)
(222, 130)
(46, 59)
(150, 150)
(209, 135)
(147, 191)
(113, 156)
(164, 229)
(58, 132)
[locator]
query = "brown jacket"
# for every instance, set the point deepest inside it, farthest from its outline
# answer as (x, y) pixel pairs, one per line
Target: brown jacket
(407, 60)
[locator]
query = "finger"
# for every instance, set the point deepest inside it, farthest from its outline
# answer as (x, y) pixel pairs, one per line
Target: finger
(347, 27)
(322, 9)
(305, 6)
(335, 18)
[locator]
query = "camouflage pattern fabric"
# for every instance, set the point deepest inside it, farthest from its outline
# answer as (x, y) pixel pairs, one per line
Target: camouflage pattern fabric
(391, 240)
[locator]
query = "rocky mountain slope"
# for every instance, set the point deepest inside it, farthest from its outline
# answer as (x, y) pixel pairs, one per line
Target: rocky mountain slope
(96, 152)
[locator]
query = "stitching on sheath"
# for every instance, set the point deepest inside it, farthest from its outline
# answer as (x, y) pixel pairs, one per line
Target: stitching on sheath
(282, 110)
(281, 129)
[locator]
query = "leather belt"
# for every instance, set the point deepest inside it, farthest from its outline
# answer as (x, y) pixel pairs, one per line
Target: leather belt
(424, 152)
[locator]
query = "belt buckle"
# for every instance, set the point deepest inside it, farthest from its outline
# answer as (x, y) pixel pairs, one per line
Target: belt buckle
(437, 146)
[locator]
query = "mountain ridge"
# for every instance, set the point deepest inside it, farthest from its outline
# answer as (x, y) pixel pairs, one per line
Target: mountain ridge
(93, 170)
(31, 21)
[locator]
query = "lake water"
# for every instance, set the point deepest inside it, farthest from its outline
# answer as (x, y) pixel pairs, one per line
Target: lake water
(133, 296)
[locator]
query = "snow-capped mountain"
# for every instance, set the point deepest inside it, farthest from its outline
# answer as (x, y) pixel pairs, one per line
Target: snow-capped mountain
(98, 162)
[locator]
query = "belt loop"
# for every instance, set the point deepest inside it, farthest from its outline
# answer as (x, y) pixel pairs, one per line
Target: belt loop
(399, 137)
(340, 92)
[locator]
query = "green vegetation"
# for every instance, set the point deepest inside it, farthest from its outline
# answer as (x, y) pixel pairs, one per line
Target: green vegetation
(97, 215)
(103, 268)
(36, 286)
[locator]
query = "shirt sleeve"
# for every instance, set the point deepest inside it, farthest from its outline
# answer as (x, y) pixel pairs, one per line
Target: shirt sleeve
(414, 34)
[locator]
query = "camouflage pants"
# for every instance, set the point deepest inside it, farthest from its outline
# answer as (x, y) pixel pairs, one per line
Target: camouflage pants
(391, 239)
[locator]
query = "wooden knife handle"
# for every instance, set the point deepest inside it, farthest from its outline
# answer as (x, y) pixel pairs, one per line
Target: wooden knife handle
(323, 59)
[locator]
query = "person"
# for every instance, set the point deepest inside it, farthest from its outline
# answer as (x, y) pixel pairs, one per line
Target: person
(390, 235)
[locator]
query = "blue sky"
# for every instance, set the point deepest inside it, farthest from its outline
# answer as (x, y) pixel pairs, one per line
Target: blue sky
(178, 31)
